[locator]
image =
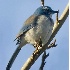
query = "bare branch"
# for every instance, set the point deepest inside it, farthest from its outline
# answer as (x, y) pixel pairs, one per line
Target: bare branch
(42, 2)
(44, 56)
(56, 28)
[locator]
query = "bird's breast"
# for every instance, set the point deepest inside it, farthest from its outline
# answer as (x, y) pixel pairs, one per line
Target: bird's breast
(43, 29)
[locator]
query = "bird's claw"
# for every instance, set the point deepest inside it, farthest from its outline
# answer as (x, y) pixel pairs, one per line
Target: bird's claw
(38, 46)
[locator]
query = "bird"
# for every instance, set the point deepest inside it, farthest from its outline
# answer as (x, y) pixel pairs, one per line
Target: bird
(38, 25)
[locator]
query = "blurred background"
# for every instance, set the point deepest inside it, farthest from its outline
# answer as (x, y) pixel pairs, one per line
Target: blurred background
(13, 13)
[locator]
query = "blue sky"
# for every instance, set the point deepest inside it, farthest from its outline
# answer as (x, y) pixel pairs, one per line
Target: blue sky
(13, 13)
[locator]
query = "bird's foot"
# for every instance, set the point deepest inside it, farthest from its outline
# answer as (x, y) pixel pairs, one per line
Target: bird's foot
(38, 46)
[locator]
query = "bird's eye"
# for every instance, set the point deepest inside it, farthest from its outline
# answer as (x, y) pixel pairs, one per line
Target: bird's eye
(48, 10)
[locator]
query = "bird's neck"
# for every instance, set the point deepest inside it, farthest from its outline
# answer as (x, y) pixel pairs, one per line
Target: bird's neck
(37, 13)
(47, 15)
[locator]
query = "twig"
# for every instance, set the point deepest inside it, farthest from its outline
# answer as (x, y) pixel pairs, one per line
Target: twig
(42, 2)
(44, 56)
(56, 28)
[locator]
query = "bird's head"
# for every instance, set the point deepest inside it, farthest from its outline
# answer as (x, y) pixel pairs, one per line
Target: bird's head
(45, 10)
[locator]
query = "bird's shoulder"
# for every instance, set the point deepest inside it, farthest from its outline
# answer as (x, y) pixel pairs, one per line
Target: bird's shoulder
(28, 24)
(30, 20)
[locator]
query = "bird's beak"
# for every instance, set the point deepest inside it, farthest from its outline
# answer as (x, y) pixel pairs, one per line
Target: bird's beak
(55, 11)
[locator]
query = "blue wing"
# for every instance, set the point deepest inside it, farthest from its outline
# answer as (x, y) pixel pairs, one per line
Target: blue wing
(28, 24)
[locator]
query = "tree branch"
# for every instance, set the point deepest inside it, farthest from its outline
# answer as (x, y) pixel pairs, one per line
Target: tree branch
(56, 28)
(42, 2)
(44, 56)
